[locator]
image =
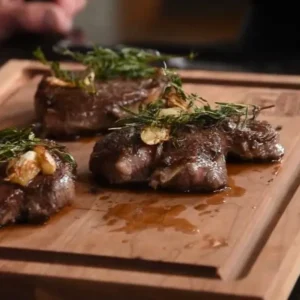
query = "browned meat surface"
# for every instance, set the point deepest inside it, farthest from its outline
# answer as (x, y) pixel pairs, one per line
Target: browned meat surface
(47, 194)
(121, 157)
(68, 111)
(43, 197)
(11, 203)
(193, 160)
(257, 140)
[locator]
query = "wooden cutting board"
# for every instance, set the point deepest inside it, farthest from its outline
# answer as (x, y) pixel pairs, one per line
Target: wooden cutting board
(243, 243)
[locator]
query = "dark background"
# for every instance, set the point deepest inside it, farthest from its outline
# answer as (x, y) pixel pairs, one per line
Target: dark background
(228, 35)
(235, 35)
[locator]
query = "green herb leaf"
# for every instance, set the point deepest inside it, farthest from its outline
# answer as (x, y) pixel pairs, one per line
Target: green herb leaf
(15, 142)
(128, 62)
(198, 111)
(84, 81)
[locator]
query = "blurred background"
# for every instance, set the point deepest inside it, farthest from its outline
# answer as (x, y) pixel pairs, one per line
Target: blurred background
(235, 35)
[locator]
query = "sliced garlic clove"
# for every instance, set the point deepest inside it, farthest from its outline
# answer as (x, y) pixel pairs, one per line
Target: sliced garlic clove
(172, 111)
(58, 82)
(23, 169)
(155, 135)
(46, 160)
(89, 78)
(175, 101)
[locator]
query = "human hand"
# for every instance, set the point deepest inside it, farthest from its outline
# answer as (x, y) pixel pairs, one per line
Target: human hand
(38, 17)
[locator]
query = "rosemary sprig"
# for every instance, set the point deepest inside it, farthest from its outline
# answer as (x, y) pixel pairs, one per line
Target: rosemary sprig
(67, 76)
(197, 111)
(202, 116)
(15, 142)
(83, 80)
(105, 64)
(128, 62)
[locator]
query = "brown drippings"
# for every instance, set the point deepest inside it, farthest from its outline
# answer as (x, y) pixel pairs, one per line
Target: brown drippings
(276, 169)
(190, 245)
(125, 241)
(88, 140)
(201, 206)
(220, 197)
(112, 222)
(207, 212)
(215, 242)
(144, 215)
(104, 197)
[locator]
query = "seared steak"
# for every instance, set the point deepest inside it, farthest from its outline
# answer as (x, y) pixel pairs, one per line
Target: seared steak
(192, 160)
(121, 157)
(11, 203)
(67, 111)
(48, 194)
(254, 140)
(44, 196)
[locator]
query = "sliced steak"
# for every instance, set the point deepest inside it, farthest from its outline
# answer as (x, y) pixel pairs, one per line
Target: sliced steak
(254, 140)
(192, 161)
(67, 111)
(121, 157)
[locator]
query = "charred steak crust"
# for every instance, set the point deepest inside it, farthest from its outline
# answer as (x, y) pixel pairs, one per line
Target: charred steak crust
(71, 111)
(43, 197)
(256, 140)
(193, 160)
(11, 202)
(48, 194)
(121, 157)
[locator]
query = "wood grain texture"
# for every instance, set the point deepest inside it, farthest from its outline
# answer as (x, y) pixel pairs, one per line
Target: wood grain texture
(242, 242)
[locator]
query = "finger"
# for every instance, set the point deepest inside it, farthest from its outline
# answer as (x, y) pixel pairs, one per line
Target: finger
(7, 3)
(72, 7)
(41, 17)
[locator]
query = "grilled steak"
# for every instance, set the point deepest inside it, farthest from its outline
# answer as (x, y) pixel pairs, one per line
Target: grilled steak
(256, 140)
(48, 194)
(11, 203)
(192, 160)
(121, 157)
(44, 196)
(71, 111)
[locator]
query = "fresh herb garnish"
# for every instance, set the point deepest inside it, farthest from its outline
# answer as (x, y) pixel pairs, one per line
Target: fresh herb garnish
(15, 142)
(128, 62)
(104, 63)
(190, 109)
(203, 115)
(84, 80)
